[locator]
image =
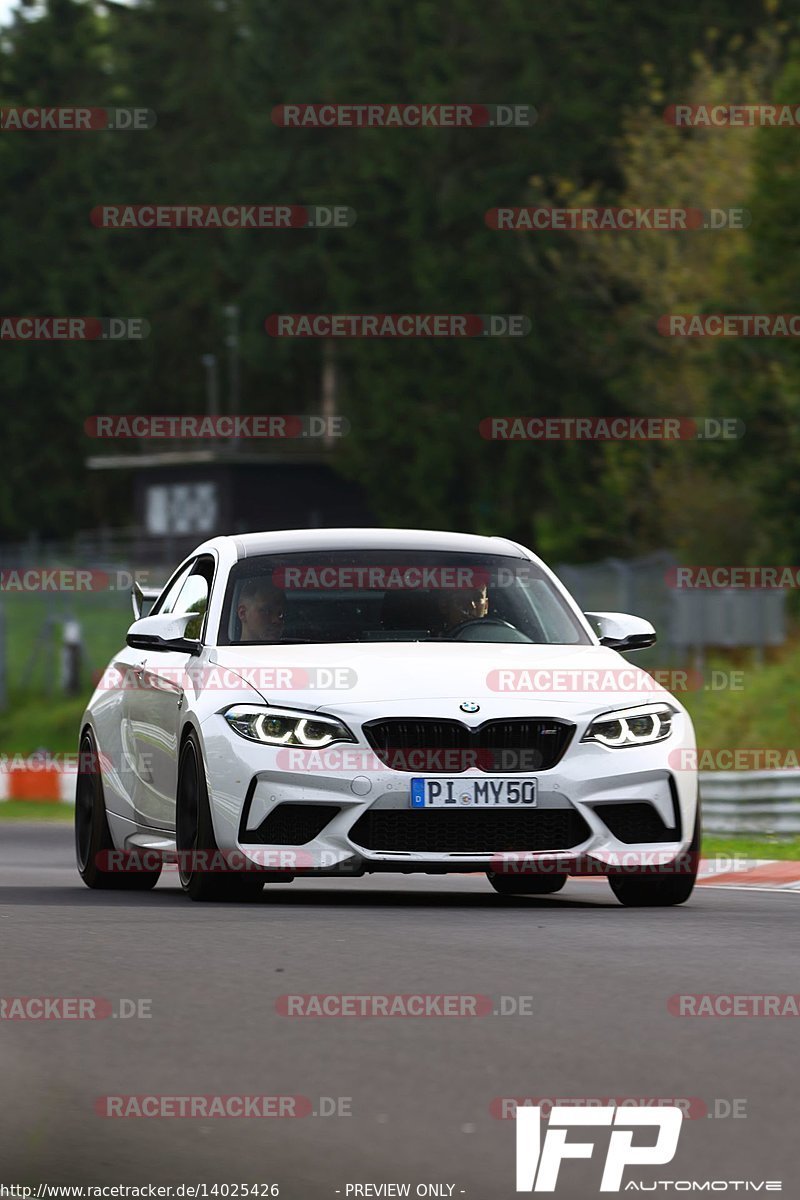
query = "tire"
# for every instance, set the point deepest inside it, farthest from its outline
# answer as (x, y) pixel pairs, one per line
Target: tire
(194, 832)
(92, 834)
(526, 885)
(660, 891)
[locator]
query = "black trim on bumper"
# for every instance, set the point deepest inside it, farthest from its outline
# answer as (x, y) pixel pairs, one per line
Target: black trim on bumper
(429, 831)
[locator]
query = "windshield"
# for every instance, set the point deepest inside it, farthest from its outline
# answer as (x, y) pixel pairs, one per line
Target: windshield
(393, 596)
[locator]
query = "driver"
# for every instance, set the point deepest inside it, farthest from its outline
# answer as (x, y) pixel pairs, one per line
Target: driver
(260, 611)
(457, 605)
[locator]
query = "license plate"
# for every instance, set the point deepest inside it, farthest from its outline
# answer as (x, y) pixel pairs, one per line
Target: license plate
(500, 792)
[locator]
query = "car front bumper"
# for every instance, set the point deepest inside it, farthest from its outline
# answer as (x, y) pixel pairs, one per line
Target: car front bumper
(311, 821)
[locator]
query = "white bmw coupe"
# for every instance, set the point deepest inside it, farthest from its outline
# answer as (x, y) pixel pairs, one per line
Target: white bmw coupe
(340, 701)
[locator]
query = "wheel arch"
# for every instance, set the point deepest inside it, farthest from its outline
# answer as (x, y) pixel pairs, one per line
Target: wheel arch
(188, 728)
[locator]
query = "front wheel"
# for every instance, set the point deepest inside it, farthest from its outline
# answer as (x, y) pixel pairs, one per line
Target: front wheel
(201, 865)
(661, 891)
(93, 842)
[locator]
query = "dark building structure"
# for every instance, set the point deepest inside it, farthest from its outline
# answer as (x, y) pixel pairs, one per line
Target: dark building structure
(181, 497)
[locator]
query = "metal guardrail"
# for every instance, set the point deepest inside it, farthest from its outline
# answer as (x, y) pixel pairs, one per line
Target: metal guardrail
(751, 801)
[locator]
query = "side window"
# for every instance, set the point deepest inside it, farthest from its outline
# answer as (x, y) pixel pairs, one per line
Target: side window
(193, 596)
(167, 602)
(558, 626)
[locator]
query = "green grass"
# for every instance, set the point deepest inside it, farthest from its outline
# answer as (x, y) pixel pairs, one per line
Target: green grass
(25, 810)
(763, 714)
(33, 657)
(747, 845)
(31, 724)
(38, 715)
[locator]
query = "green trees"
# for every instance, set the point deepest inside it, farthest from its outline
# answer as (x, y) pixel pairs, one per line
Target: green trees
(50, 265)
(775, 239)
(214, 69)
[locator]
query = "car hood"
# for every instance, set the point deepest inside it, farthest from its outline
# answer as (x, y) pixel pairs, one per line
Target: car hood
(499, 677)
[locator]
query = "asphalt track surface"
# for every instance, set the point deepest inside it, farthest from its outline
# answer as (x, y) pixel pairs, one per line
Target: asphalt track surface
(420, 1089)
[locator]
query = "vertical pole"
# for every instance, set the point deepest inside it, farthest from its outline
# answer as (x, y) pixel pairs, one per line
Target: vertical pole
(209, 361)
(3, 680)
(232, 342)
(328, 390)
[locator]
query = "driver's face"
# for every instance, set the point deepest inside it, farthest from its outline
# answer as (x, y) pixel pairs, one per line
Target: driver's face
(261, 617)
(465, 605)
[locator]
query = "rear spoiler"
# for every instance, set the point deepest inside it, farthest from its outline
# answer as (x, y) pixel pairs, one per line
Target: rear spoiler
(143, 599)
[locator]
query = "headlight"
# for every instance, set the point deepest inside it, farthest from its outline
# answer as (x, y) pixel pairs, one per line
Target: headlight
(286, 727)
(632, 726)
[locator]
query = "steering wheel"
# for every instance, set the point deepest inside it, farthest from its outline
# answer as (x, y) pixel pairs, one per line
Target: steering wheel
(479, 624)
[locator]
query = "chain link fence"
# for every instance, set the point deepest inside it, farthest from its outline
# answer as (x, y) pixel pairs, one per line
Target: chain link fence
(687, 621)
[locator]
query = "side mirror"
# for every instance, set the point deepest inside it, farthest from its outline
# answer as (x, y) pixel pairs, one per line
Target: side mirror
(621, 631)
(143, 599)
(164, 631)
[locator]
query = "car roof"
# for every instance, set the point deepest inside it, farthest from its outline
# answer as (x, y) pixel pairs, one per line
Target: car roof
(287, 540)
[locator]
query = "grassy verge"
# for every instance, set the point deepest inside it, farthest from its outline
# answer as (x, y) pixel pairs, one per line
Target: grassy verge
(27, 810)
(760, 710)
(752, 846)
(29, 724)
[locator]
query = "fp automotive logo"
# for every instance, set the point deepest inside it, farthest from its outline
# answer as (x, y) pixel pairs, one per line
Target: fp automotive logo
(538, 1163)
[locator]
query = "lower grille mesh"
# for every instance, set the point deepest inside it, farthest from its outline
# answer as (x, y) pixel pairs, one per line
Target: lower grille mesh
(429, 831)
